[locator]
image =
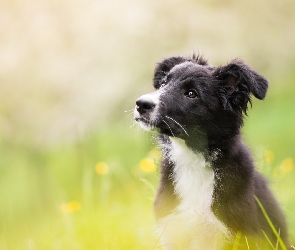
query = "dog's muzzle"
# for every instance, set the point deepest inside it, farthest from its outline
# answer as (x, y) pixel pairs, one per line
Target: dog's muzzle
(146, 110)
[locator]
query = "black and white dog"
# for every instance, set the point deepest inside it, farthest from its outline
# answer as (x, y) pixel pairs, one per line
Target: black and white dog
(208, 188)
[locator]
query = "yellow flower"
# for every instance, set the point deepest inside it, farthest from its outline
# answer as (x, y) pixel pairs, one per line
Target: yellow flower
(268, 156)
(70, 207)
(147, 165)
(101, 168)
(286, 166)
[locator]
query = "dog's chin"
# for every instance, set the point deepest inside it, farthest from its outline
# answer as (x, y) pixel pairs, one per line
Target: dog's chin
(148, 126)
(145, 124)
(157, 128)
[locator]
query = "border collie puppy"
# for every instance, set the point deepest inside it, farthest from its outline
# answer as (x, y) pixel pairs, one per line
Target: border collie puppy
(208, 187)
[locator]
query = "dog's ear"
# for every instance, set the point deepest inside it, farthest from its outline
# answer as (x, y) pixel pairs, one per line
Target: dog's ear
(163, 68)
(237, 81)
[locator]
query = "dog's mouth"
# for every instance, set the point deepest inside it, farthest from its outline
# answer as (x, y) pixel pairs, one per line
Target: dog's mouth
(145, 123)
(161, 127)
(160, 123)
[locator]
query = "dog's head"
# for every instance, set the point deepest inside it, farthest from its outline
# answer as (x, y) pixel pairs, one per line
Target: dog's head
(194, 98)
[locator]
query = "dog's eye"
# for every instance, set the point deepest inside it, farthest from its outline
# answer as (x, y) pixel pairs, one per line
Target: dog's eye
(191, 94)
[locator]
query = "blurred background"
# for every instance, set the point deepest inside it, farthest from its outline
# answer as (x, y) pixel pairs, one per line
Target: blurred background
(75, 172)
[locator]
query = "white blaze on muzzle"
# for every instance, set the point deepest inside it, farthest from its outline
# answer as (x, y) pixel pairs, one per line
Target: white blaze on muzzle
(146, 110)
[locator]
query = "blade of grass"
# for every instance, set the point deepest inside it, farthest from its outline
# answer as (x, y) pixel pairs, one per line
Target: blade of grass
(277, 244)
(150, 185)
(159, 238)
(270, 223)
(247, 243)
(237, 240)
(268, 240)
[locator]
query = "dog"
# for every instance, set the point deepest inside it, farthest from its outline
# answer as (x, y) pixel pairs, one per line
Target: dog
(210, 195)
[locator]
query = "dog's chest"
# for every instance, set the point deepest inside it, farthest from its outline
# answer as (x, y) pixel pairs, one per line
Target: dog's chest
(193, 178)
(192, 225)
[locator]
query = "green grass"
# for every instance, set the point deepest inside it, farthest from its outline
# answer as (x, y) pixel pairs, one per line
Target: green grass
(276, 233)
(114, 209)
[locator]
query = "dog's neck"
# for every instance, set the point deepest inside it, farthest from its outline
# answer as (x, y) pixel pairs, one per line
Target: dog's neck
(206, 145)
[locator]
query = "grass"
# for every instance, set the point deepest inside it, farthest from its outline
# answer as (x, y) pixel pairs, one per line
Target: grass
(98, 193)
(276, 233)
(60, 199)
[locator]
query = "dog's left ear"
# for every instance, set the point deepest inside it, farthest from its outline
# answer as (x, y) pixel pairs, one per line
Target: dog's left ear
(163, 68)
(237, 81)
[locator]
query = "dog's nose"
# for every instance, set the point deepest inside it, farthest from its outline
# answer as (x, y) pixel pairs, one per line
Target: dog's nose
(144, 104)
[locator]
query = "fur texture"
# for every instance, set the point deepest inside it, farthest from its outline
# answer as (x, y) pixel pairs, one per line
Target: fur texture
(208, 180)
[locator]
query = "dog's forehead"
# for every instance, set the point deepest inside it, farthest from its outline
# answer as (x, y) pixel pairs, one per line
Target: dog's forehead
(187, 68)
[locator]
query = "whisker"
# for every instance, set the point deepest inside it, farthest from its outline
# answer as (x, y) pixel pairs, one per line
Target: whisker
(131, 111)
(177, 124)
(168, 127)
(133, 124)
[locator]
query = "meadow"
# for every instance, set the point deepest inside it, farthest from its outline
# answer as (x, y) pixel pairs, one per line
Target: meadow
(97, 192)
(75, 173)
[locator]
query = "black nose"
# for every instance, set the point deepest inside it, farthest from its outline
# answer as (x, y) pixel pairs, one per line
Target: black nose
(144, 104)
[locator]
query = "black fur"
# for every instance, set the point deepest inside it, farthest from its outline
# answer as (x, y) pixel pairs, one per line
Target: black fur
(213, 120)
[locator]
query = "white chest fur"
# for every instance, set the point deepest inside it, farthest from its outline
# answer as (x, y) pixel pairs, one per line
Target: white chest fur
(192, 225)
